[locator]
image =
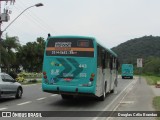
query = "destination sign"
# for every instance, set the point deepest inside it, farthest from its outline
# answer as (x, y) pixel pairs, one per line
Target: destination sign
(70, 47)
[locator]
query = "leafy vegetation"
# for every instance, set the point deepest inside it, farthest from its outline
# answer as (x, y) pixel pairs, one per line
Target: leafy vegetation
(15, 56)
(147, 47)
(152, 80)
(7, 48)
(156, 104)
(143, 47)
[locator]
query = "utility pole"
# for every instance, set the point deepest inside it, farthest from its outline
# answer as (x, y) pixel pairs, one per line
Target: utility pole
(4, 17)
(0, 36)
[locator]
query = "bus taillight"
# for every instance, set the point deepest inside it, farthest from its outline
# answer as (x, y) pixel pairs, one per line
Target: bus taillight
(44, 73)
(92, 77)
(45, 77)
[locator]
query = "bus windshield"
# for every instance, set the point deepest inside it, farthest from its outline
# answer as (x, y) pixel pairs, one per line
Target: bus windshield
(78, 47)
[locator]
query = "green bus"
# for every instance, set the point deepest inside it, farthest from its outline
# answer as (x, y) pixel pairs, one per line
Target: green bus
(127, 71)
(78, 65)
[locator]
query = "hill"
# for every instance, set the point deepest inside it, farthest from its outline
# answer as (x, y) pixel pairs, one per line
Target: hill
(143, 47)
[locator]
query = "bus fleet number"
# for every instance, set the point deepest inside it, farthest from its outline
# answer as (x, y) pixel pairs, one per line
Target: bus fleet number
(82, 65)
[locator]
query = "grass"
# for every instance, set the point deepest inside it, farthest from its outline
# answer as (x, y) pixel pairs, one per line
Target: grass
(156, 104)
(152, 80)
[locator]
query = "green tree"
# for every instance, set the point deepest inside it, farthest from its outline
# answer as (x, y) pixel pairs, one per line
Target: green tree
(8, 48)
(30, 56)
(152, 66)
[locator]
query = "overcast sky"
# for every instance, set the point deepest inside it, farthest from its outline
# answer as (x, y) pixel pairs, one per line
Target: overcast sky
(110, 21)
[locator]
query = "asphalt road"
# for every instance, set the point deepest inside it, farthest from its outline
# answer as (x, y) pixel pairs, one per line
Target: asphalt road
(35, 100)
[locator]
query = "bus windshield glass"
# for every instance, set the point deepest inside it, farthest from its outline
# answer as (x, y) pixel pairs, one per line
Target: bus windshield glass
(78, 47)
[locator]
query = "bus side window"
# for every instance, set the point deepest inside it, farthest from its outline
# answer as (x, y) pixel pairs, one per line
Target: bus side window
(117, 64)
(111, 63)
(114, 63)
(107, 60)
(99, 59)
(103, 59)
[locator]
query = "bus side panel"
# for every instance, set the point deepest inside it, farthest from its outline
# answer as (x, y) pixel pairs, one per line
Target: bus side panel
(107, 79)
(113, 79)
(114, 75)
(99, 82)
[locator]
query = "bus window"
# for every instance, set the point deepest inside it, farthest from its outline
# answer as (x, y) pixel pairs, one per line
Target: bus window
(103, 59)
(117, 64)
(111, 63)
(107, 60)
(99, 59)
(114, 63)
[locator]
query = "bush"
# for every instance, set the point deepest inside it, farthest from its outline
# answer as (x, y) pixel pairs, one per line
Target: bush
(20, 79)
(33, 81)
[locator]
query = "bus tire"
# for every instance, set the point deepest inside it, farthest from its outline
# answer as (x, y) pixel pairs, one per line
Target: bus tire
(102, 98)
(64, 96)
(115, 84)
(112, 91)
(0, 93)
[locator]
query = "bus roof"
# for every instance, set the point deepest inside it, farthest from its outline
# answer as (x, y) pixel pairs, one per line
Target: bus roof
(109, 50)
(71, 36)
(85, 37)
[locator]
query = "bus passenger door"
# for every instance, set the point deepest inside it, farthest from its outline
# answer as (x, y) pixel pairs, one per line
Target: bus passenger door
(100, 81)
(111, 73)
(104, 70)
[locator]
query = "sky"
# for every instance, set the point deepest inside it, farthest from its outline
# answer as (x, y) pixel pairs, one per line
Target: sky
(111, 22)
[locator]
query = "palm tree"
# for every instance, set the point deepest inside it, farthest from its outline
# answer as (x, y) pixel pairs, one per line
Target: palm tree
(8, 48)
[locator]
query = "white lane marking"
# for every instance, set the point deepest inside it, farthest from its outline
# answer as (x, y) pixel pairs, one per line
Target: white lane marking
(110, 118)
(24, 103)
(105, 109)
(119, 95)
(54, 95)
(41, 98)
(127, 102)
(3, 108)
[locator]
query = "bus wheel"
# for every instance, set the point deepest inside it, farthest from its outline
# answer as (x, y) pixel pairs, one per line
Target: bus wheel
(112, 91)
(64, 96)
(102, 98)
